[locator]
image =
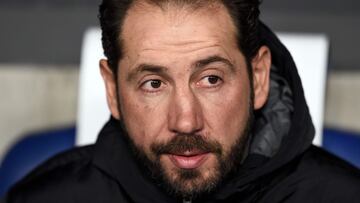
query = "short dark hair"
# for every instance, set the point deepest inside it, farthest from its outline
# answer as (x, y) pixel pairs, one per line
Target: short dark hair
(245, 14)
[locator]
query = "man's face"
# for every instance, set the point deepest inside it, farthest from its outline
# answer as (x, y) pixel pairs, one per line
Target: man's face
(184, 93)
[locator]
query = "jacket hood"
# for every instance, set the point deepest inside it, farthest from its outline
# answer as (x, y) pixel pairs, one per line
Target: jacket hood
(282, 131)
(283, 128)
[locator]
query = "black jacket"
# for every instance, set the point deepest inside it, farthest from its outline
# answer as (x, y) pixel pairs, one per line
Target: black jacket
(281, 165)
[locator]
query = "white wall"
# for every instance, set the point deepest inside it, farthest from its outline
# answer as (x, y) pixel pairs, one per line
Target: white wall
(342, 109)
(35, 98)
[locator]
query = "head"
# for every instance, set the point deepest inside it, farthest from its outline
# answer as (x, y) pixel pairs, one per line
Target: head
(183, 77)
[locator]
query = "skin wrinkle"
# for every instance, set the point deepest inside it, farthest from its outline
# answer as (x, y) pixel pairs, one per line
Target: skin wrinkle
(176, 48)
(213, 8)
(163, 71)
(135, 66)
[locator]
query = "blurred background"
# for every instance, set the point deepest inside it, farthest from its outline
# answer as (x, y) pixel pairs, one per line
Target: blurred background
(40, 49)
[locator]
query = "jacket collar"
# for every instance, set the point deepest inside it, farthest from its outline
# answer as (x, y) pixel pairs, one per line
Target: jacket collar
(113, 156)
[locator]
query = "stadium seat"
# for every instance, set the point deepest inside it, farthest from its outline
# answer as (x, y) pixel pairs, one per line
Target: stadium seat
(32, 150)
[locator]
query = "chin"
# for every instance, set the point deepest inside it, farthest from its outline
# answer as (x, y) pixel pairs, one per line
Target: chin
(191, 182)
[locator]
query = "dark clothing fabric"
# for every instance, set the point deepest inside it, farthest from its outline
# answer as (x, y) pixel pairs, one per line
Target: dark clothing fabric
(107, 172)
(281, 165)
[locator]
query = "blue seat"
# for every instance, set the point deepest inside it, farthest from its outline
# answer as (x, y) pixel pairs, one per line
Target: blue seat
(343, 144)
(30, 151)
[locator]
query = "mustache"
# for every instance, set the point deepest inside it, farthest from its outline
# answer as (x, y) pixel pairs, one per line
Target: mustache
(181, 143)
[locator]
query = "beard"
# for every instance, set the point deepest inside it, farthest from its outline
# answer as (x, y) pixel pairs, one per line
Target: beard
(191, 183)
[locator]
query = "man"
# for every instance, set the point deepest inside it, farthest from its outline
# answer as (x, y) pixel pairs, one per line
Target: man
(206, 105)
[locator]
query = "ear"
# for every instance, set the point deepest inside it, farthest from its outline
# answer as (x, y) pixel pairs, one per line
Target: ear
(110, 86)
(261, 64)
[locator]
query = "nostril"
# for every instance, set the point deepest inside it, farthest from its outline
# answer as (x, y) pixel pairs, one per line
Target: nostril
(186, 123)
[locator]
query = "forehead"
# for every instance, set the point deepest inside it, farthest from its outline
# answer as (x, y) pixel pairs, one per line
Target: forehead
(148, 27)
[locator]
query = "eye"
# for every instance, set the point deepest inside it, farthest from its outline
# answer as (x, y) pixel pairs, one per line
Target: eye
(213, 79)
(210, 81)
(152, 85)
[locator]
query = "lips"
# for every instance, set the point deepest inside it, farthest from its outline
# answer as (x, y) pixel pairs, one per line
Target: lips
(188, 160)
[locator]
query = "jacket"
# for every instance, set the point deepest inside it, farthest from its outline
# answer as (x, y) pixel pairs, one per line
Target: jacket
(281, 166)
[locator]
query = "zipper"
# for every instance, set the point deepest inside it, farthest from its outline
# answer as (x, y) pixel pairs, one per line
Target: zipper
(187, 200)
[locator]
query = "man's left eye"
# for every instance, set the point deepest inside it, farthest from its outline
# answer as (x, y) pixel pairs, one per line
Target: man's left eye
(210, 81)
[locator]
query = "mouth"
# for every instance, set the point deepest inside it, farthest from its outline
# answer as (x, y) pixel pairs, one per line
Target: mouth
(189, 159)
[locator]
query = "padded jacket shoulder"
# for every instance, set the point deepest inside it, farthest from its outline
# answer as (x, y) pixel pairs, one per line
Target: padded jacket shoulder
(67, 177)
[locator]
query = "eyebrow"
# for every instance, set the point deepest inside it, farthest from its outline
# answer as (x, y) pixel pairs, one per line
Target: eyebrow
(146, 68)
(162, 69)
(212, 59)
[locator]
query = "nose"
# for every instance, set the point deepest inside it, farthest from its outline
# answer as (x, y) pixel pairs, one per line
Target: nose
(185, 112)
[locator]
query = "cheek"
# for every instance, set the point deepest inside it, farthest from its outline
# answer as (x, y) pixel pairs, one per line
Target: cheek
(144, 120)
(227, 114)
